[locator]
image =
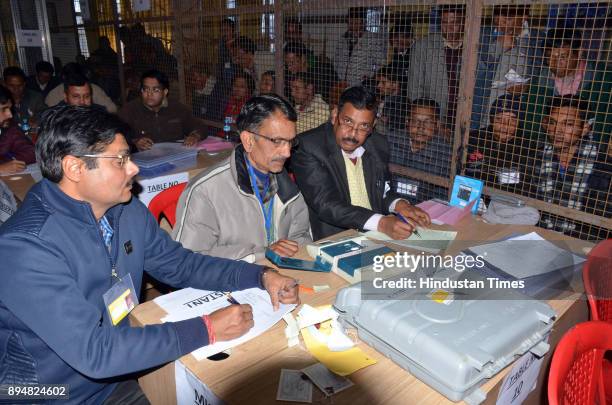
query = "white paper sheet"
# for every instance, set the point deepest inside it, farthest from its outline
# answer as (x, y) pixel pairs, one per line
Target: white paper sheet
(526, 256)
(431, 240)
(190, 303)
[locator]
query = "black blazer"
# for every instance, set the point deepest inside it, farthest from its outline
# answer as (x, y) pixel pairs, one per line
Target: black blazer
(320, 173)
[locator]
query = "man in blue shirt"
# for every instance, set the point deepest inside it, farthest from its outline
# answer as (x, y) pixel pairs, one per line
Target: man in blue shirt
(78, 233)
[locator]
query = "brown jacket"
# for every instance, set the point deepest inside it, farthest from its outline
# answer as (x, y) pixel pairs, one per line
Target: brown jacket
(173, 122)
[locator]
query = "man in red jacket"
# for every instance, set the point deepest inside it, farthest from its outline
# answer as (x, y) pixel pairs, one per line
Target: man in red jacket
(16, 150)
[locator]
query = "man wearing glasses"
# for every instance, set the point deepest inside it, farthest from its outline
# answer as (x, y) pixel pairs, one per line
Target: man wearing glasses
(73, 260)
(342, 169)
(153, 118)
(248, 202)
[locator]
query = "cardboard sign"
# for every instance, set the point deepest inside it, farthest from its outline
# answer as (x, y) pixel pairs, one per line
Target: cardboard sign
(155, 185)
(29, 38)
(190, 390)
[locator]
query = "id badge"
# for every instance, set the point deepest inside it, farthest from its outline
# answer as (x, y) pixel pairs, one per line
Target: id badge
(508, 176)
(120, 299)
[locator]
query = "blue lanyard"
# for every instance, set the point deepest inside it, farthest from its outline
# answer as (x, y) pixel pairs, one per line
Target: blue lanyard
(267, 215)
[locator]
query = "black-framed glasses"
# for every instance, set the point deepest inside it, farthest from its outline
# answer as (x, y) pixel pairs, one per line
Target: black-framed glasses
(122, 160)
(347, 123)
(151, 90)
(278, 142)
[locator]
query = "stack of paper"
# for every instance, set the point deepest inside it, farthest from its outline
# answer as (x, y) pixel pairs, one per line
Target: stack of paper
(213, 144)
(190, 303)
(430, 240)
(444, 214)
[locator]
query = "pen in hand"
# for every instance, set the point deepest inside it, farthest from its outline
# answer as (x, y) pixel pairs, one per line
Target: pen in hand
(404, 220)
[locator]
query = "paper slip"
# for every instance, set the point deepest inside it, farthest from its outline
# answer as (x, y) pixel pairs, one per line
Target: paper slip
(526, 256)
(431, 241)
(195, 303)
(294, 387)
(340, 362)
(328, 382)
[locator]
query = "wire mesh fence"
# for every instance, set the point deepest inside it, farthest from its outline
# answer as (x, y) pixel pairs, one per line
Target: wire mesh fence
(516, 95)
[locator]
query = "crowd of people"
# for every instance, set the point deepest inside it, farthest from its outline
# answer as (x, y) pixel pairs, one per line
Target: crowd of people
(524, 79)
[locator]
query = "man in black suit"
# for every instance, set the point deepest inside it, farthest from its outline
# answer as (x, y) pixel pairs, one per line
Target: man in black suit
(342, 170)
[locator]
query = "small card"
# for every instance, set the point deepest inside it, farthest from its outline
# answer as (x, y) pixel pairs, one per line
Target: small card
(328, 382)
(120, 299)
(294, 386)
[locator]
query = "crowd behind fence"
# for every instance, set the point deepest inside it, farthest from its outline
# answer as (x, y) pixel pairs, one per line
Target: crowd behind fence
(517, 95)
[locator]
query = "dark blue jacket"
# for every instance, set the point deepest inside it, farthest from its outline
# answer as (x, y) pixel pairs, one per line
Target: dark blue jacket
(54, 328)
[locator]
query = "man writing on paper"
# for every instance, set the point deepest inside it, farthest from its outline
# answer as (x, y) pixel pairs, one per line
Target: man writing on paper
(342, 169)
(248, 202)
(79, 244)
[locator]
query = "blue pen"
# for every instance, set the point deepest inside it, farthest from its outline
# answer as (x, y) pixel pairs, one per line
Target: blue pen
(404, 220)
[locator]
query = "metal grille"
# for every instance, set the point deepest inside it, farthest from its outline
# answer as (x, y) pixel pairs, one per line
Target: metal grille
(515, 93)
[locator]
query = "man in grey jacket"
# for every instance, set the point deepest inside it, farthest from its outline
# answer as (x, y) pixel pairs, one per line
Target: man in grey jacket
(435, 63)
(248, 203)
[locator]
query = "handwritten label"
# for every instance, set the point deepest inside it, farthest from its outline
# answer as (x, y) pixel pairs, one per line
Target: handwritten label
(520, 381)
(29, 38)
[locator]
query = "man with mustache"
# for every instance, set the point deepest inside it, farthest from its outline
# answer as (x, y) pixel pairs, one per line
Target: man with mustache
(248, 202)
(342, 169)
(79, 244)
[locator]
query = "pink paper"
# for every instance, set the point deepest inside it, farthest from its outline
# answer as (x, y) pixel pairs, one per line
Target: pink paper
(213, 144)
(445, 214)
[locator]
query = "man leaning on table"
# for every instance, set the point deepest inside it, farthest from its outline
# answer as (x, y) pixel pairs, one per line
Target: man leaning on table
(342, 169)
(248, 202)
(78, 233)
(155, 118)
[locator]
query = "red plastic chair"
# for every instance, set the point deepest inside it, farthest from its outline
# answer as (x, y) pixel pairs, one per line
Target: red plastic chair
(165, 202)
(579, 373)
(597, 278)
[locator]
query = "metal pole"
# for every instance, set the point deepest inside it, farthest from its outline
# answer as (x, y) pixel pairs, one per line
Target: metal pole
(279, 40)
(119, 54)
(467, 83)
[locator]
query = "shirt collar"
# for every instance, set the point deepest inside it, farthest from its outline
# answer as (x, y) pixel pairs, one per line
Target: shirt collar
(357, 153)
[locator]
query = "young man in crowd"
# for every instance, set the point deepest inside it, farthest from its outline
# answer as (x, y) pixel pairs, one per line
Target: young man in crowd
(312, 111)
(566, 169)
(154, 118)
(500, 154)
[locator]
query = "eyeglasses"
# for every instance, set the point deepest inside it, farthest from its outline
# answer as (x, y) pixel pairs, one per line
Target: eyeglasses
(278, 142)
(151, 90)
(122, 160)
(348, 123)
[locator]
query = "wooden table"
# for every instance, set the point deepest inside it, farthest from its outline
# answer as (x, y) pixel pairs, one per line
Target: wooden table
(251, 374)
(21, 184)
